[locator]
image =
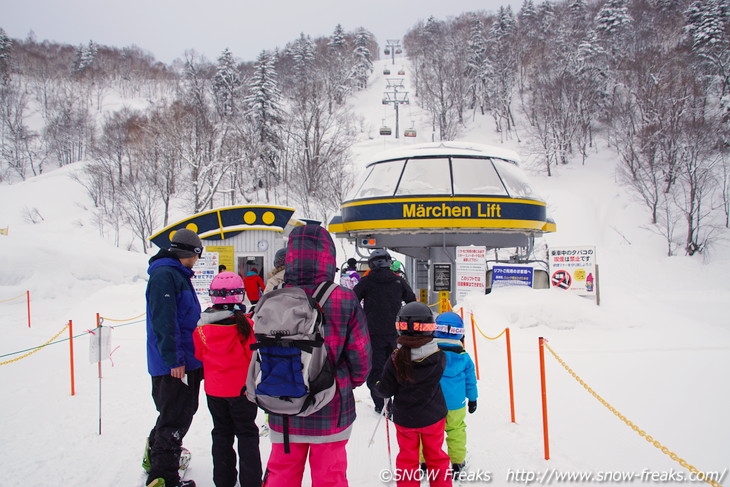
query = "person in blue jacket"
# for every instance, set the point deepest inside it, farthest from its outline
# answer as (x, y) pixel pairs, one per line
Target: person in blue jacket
(173, 312)
(458, 383)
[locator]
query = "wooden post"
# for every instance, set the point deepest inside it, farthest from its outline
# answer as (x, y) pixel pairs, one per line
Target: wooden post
(474, 339)
(71, 354)
(509, 374)
(544, 398)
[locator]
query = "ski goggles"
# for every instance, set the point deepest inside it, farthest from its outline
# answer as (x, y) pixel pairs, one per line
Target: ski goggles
(222, 293)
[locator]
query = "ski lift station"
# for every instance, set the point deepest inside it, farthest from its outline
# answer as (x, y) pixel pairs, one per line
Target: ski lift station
(242, 238)
(426, 200)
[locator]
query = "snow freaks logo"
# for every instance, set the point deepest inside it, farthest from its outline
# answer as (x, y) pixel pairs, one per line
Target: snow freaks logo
(401, 475)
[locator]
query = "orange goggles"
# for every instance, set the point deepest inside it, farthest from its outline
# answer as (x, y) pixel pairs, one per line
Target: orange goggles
(415, 326)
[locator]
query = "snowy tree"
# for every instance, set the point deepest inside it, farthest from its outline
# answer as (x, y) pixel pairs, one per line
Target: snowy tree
(265, 115)
(708, 25)
(478, 67)
(20, 146)
(85, 57)
(502, 60)
(6, 49)
(363, 63)
(227, 85)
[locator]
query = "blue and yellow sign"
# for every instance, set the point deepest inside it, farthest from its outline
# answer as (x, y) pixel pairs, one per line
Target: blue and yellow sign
(443, 212)
(226, 222)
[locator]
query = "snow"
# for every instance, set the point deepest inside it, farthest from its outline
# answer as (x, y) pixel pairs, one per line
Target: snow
(656, 349)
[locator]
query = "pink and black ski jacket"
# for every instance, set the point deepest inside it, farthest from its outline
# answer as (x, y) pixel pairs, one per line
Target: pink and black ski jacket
(311, 259)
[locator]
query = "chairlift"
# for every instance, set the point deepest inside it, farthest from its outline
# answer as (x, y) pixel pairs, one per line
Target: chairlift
(385, 130)
(387, 52)
(386, 71)
(398, 51)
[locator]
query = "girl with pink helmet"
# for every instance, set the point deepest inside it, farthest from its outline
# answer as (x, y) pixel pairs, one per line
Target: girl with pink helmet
(222, 342)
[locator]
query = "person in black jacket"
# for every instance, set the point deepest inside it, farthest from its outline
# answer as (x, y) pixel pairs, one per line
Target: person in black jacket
(383, 293)
(412, 376)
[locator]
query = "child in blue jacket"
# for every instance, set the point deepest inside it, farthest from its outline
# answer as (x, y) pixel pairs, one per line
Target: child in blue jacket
(459, 384)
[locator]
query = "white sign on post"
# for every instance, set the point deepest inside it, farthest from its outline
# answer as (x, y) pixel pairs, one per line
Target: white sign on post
(574, 269)
(471, 270)
(100, 344)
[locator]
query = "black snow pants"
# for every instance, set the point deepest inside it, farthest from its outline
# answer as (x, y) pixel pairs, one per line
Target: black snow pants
(176, 404)
(234, 417)
(382, 347)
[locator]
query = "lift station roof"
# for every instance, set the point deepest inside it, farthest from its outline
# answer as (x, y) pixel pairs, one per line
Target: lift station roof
(442, 194)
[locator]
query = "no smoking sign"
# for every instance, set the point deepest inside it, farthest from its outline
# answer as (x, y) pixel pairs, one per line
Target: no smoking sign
(561, 279)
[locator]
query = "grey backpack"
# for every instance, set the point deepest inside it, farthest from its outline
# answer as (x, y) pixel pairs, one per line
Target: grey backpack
(289, 372)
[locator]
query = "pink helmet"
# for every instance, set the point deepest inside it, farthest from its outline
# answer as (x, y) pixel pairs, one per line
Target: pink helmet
(227, 287)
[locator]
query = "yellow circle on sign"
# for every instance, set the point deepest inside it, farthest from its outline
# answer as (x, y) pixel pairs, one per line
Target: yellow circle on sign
(192, 226)
(268, 218)
(580, 275)
(249, 217)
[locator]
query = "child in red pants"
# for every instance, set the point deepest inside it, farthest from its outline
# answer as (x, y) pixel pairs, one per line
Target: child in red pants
(412, 376)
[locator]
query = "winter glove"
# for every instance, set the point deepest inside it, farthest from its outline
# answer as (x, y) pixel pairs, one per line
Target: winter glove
(472, 406)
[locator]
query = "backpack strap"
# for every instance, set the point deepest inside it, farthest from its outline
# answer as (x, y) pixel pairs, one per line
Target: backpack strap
(323, 291)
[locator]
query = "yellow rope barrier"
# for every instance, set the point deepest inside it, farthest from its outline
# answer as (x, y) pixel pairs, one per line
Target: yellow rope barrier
(16, 297)
(36, 349)
(642, 433)
(128, 319)
(488, 337)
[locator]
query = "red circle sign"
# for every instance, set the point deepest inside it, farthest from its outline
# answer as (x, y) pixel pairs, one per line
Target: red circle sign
(561, 279)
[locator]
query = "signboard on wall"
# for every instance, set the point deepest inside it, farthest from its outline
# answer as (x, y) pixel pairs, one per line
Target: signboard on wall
(471, 270)
(225, 255)
(574, 269)
(441, 277)
(205, 270)
(511, 275)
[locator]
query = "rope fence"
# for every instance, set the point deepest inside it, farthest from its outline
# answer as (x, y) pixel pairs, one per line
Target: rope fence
(700, 475)
(27, 297)
(33, 350)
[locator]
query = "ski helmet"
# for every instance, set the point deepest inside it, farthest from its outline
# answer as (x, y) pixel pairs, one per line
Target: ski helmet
(379, 258)
(415, 319)
(227, 287)
(449, 325)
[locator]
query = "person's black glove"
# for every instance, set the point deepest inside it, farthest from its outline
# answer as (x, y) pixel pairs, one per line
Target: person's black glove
(472, 406)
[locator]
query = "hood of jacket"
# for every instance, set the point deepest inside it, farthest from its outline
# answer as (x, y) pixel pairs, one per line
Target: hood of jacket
(166, 258)
(311, 256)
(220, 338)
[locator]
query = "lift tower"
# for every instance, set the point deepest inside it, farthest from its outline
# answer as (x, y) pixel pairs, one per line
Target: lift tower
(392, 47)
(395, 97)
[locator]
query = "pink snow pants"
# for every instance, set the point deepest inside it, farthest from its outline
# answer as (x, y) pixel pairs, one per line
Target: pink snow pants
(437, 460)
(327, 464)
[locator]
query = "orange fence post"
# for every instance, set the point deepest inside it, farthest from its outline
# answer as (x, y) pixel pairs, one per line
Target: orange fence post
(474, 339)
(544, 398)
(71, 354)
(509, 373)
(27, 296)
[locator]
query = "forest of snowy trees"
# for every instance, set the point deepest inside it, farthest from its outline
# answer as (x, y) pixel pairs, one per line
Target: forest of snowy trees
(649, 78)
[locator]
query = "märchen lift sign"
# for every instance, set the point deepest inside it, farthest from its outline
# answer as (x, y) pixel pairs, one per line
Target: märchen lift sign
(574, 269)
(471, 270)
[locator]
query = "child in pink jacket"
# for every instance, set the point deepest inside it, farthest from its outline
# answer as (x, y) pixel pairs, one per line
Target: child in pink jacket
(222, 342)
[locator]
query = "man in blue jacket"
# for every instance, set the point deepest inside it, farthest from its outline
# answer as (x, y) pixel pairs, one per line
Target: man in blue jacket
(173, 312)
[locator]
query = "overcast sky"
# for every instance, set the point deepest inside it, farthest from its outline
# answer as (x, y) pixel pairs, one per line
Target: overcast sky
(167, 28)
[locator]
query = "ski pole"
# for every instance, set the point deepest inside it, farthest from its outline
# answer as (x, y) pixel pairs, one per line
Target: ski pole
(377, 425)
(387, 434)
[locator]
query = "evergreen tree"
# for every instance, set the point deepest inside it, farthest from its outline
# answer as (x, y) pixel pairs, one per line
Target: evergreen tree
(263, 111)
(227, 85)
(363, 64)
(6, 50)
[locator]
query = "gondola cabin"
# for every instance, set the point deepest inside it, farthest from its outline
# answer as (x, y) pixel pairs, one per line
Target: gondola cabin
(409, 133)
(387, 52)
(386, 71)
(385, 130)
(401, 72)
